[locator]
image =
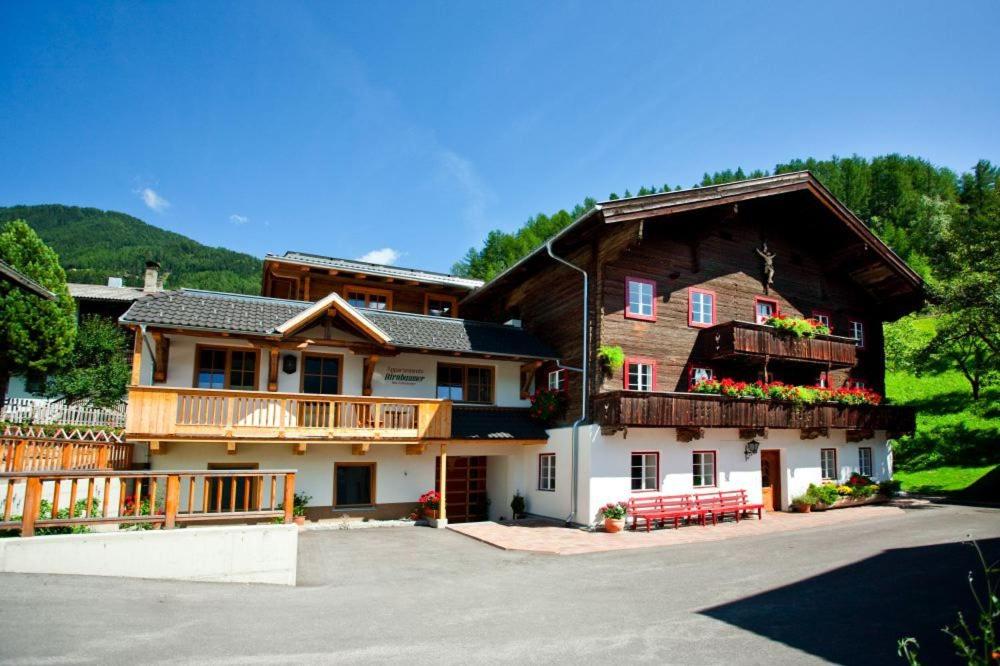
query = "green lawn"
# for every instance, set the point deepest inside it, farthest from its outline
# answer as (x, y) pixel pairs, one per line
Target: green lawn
(941, 480)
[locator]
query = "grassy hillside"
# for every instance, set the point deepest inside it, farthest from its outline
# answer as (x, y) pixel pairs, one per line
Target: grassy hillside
(93, 244)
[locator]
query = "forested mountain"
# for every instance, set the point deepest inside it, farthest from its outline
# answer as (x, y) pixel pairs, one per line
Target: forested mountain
(94, 244)
(904, 199)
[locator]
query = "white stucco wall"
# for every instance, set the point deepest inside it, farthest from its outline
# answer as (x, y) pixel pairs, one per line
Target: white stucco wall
(605, 464)
(422, 367)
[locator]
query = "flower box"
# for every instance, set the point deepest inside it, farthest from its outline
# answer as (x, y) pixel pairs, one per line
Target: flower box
(845, 502)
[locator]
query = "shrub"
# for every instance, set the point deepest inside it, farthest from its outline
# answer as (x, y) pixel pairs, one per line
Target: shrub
(805, 500)
(431, 500)
(517, 505)
(612, 355)
(825, 494)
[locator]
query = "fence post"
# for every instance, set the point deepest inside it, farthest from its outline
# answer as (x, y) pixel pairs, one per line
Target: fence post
(102, 456)
(32, 505)
(66, 456)
(289, 503)
(19, 448)
(173, 500)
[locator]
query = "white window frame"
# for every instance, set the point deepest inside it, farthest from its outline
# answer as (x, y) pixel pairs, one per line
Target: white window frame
(644, 372)
(702, 461)
(641, 293)
(547, 472)
(824, 461)
(857, 330)
(865, 466)
(557, 380)
(702, 308)
(648, 471)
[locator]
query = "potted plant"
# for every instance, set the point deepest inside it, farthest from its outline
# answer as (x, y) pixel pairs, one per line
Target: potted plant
(299, 508)
(614, 516)
(430, 503)
(517, 506)
(548, 405)
(803, 503)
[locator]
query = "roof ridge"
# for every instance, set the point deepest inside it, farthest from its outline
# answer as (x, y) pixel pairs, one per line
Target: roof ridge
(372, 263)
(418, 315)
(234, 296)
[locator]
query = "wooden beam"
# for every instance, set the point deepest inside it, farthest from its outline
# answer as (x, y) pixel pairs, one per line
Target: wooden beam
(137, 358)
(860, 435)
(368, 373)
(299, 448)
(813, 433)
(360, 449)
(688, 434)
(161, 348)
(416, 449)
(750, 433)
(443, 476)
(231, 447)
(156, 447)
(274, 358)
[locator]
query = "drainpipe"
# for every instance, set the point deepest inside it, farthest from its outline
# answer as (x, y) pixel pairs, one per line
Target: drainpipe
(574, 481)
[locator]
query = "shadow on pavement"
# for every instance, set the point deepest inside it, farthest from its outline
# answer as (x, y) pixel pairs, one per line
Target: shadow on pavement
(855, 614)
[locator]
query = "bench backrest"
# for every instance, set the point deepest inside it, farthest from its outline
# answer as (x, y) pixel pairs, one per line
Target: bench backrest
(651, 503)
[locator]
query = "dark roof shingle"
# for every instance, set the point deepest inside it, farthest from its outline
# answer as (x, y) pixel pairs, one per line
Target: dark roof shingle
(494, 423)
(257, 315)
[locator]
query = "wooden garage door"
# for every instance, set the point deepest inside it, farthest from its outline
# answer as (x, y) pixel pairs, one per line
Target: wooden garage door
(466, 496)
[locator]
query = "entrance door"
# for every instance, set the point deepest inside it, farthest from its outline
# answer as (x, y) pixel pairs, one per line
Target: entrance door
(770, 479)
(465, 501)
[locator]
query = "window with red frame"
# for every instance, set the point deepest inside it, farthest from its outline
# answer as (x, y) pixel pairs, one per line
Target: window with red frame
(645, 471)
(703, 469)
(699, 374)
(764, 309)
(547, 472)
(856, 330)
(640, 299)
(823, 317)
(640, 374)
(701, 307)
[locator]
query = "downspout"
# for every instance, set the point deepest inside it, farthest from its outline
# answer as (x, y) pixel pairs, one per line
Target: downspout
(574, 481)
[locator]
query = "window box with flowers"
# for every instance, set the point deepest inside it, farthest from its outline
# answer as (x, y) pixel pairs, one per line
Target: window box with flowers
(799, 395)
(856, 491)
(430, 504)
(798, 326)
(548, 405)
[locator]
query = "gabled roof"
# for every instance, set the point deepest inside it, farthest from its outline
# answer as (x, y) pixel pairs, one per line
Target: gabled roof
(867, 250)
(196, 310)
(15, 277)
(381, 270)
(332, 302)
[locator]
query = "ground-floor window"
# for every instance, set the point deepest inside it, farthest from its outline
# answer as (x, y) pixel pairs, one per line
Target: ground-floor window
(703, 469)
(231, 493)
(865, 460)
(828, 464)
(547, 471)
(645, 471)
(354, 484)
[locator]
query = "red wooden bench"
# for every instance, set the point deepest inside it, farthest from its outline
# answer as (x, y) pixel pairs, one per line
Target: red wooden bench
(718, 504)
(663, 508)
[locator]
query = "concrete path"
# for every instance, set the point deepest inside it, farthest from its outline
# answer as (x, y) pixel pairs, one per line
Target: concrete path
(839, 593)
(539, 536)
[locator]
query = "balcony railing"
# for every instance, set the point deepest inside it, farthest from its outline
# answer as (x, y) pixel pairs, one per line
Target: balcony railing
(164, 413)
(741, 338)
(639, 409)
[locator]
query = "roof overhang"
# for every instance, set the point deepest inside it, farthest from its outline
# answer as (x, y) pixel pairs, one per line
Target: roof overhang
(15, 277)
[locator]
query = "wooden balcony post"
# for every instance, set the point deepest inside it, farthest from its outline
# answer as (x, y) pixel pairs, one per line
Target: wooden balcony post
(289, 503)
(66, 456)
(32, 505)
(443, 475)
(173, 500)
(19, 449)
(102, 456)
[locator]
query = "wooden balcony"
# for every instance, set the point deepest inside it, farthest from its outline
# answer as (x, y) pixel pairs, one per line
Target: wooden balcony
(159, 413)
(741, 338)
(693, 410)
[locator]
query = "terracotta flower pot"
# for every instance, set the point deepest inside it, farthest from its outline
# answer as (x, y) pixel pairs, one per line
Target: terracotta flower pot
(299, 520)
(802, 508)
(430, 514)
(614, 525)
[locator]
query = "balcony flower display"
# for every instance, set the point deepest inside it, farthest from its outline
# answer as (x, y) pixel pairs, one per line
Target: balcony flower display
(547, 405)
(798, 326)
(805, 395)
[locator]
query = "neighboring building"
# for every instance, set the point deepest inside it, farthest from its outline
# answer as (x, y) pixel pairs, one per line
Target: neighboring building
(371, 380)
(21, 281)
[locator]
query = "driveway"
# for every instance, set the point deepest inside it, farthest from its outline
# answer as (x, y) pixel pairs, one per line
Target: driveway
(842, 593)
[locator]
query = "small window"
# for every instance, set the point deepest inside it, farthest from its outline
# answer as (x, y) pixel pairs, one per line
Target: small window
(364, 297)
(823, 317)
(828, 464)
(321, 374)
(557, 380)
(211, 368)
(354, 484)
(701, 307)
(640, 299)
(764, 309)
(645, 472)
(234, 369)
(703, 469)
(696, 375)
(856, 330)
(243, 370)
(438, 305)
(547, 471)
(865, 460)
(465, 383)
(640, 375)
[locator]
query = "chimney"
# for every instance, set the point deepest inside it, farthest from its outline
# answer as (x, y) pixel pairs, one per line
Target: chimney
(115, 282)
(152, 282)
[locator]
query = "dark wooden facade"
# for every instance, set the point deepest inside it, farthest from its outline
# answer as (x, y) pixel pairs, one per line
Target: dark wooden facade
(824, 264)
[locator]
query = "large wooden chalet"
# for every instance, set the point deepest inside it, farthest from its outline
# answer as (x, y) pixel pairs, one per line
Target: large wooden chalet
(366, 379)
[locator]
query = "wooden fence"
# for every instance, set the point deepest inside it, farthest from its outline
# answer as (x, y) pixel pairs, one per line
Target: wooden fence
(46, 412)
(36, 449)
(160, 498)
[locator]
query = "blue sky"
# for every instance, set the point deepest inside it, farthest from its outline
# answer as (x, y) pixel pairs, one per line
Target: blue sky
(344, 128)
